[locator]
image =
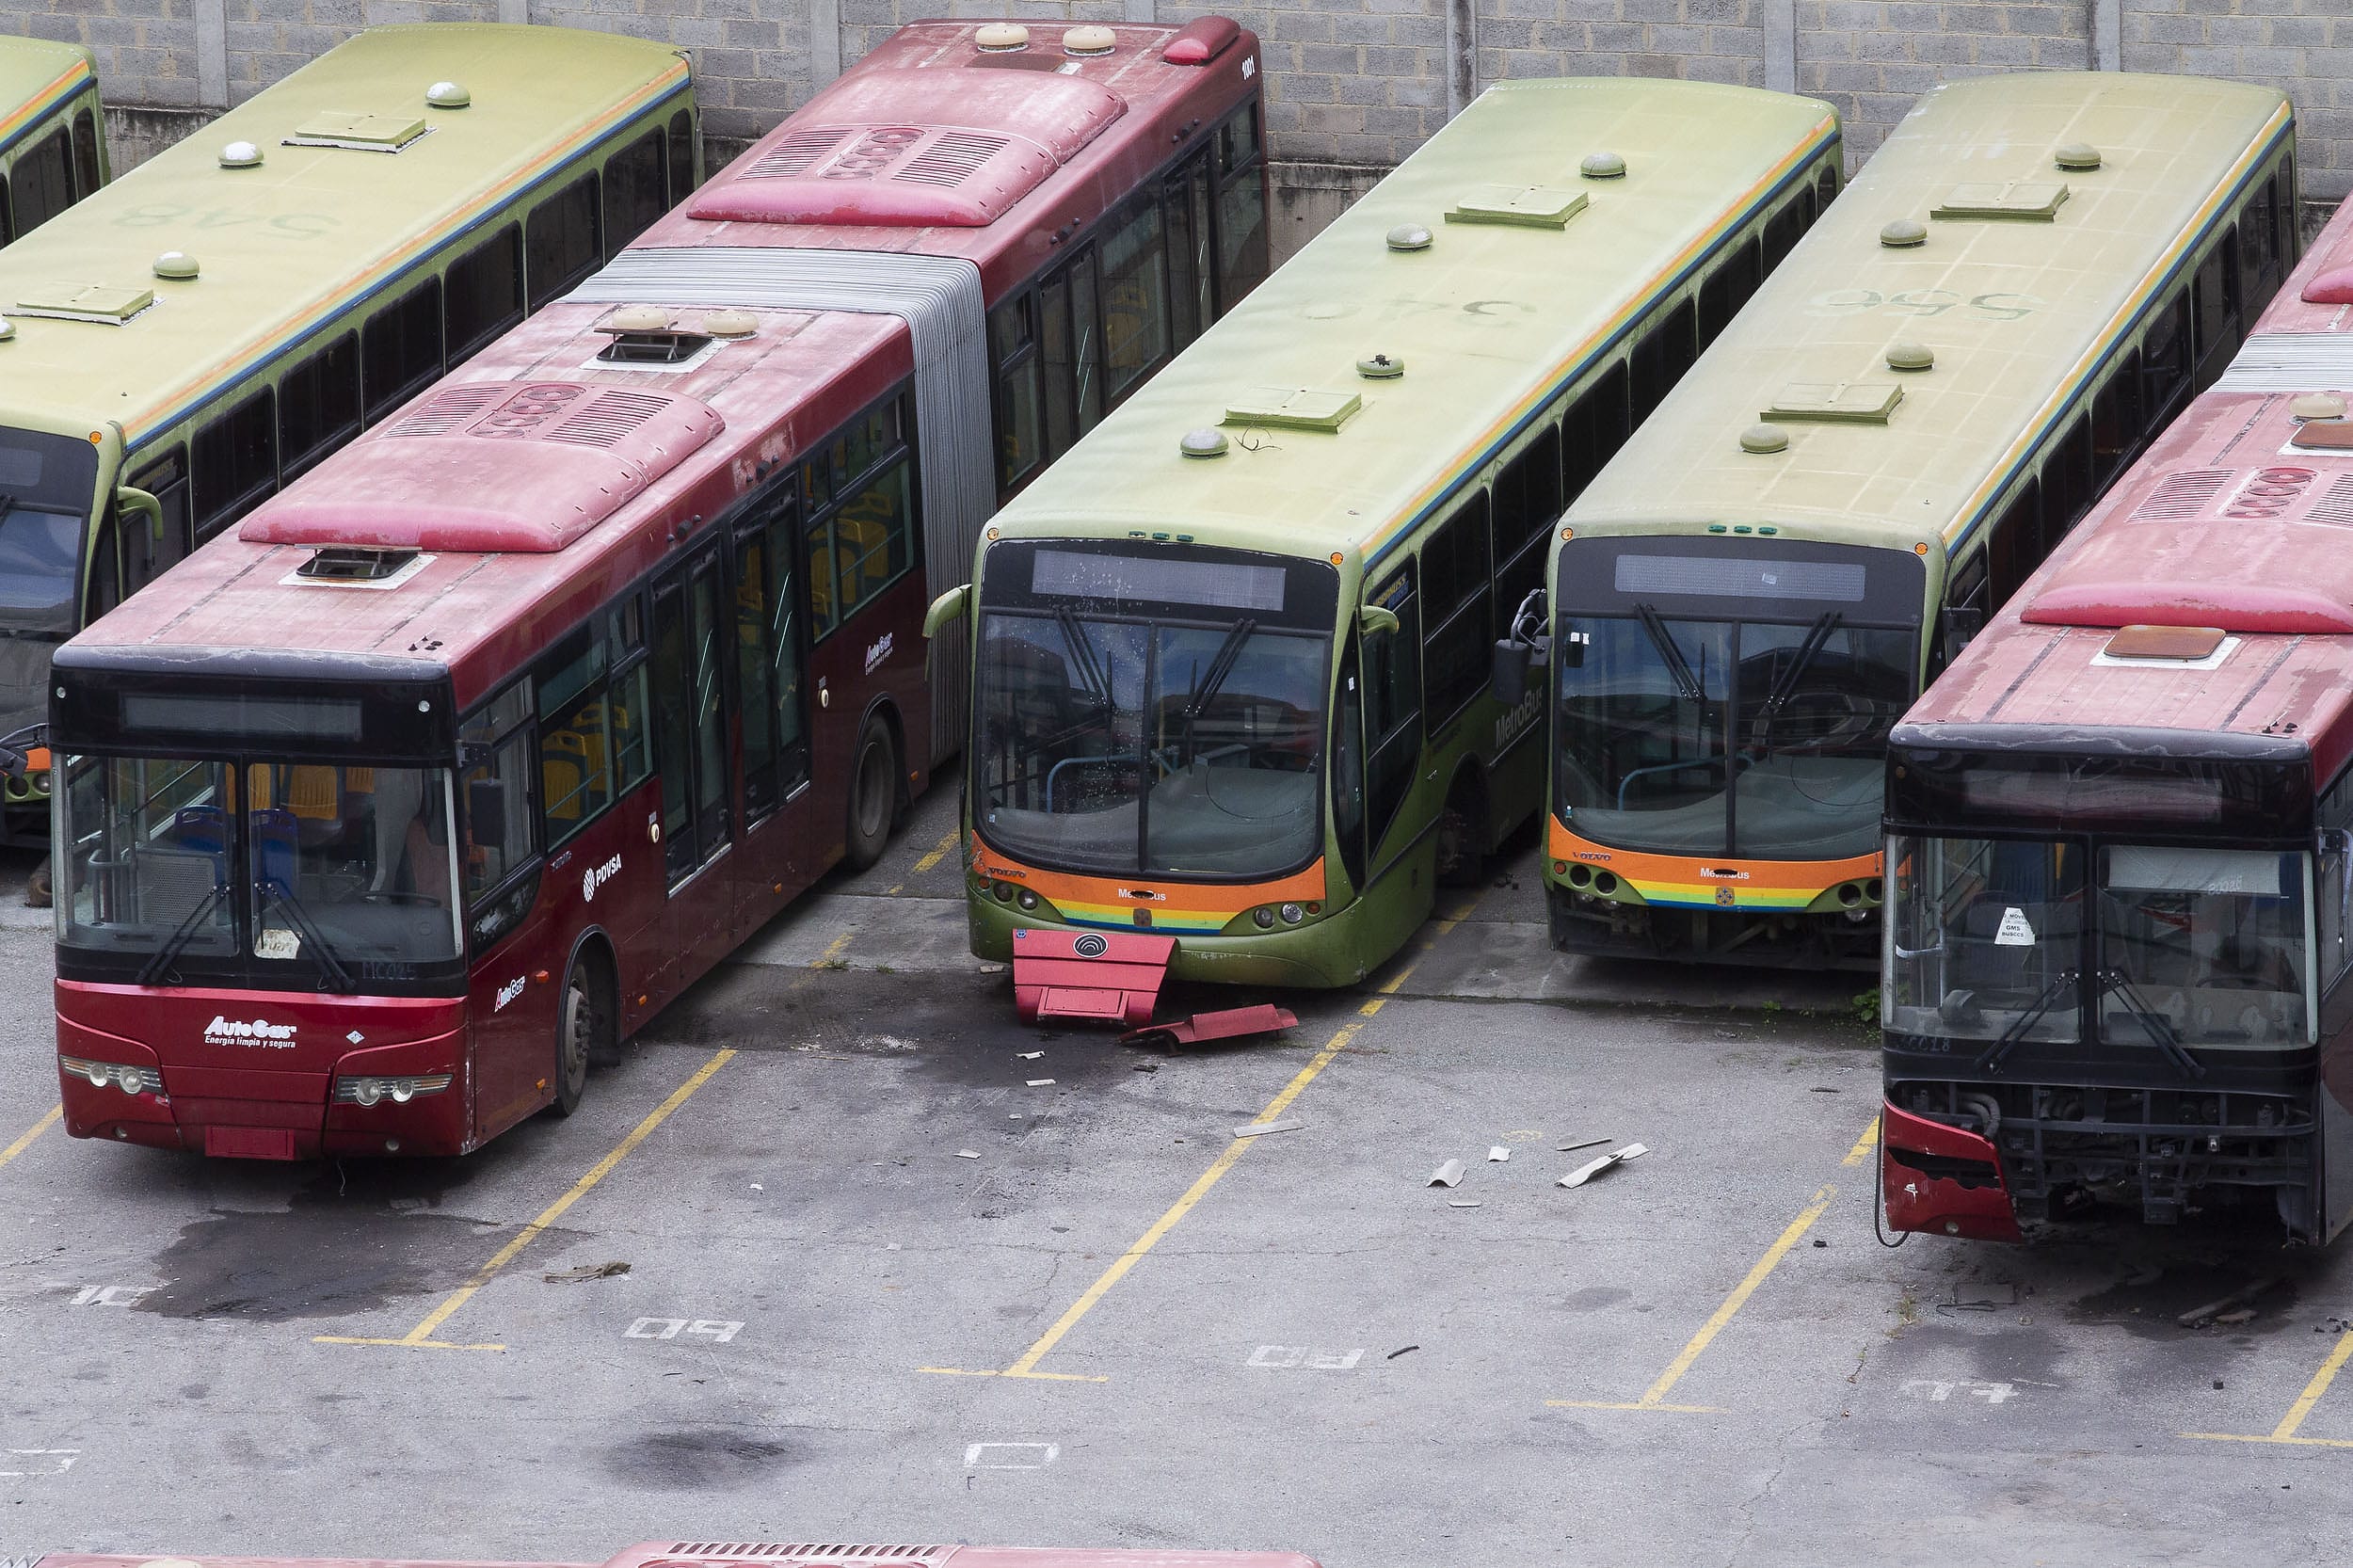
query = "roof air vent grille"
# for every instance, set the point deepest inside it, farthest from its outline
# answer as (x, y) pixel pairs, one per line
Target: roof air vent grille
(2181, 494)
(798, 153)
(449, 409)
(607, 417)
(334, 565)
(952, 158)
(2335, 505)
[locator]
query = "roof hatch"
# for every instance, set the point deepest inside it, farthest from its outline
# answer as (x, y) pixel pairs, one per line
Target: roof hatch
(2163, 642)
(97, 302)
(1834, 403)
(491, 466)
(1518, 206)
(361, 132)
(2025, 201)
(914, 147)
(1293, 408)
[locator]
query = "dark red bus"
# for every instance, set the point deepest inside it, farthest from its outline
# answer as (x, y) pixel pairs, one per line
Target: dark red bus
(2121, 837)
(463, 755)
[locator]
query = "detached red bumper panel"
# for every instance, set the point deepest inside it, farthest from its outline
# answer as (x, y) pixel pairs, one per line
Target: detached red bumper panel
(1093, 977)
(1944, 1180)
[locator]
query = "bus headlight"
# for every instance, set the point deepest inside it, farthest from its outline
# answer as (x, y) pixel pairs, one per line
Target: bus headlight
(130, 1080)
(1292, 914)
(1027, 899)
(1265, 918)
(368, 1091)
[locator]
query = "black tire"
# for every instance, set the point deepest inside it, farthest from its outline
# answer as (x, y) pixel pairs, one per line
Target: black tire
(873, 795)
(584, 1031)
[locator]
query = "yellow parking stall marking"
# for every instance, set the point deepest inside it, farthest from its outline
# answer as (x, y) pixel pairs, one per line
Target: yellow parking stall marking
(1654, 1397)
(1026, 1366)
(2286, 1431)
(25, 1141)
(421, 1337)
(939, 851)
(833, 952)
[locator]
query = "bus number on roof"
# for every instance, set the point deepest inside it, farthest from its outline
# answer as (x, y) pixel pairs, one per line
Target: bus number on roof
(296, 226)
(1926, 302)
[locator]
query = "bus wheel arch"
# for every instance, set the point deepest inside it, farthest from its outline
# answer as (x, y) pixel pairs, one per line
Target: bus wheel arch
(878, 786)
(586, 1020)
(1463, 830)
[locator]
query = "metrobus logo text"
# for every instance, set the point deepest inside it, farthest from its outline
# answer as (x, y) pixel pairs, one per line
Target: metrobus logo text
(258, 1032)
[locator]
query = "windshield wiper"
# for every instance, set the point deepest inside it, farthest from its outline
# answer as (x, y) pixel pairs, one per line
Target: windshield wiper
(274, 896)
(1090, 668)
(159, 964)
(1787, 687)
(2158, 1027)
(1221, 664)
(1989, 1059)
(1678, 668)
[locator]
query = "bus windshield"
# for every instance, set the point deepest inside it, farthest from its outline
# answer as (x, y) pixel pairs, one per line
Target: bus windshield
(1750, 737)
(2206, 948)
(310, 869)
(46, 485)
(1150, 746)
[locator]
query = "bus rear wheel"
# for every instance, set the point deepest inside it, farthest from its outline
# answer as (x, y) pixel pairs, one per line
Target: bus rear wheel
(873, 795)
(582, 1031)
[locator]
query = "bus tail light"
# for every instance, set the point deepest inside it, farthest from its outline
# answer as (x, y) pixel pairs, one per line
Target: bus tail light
(130, 1080)
(400, 1091)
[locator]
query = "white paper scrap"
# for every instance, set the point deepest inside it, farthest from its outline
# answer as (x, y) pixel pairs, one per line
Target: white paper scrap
(1497, 1154)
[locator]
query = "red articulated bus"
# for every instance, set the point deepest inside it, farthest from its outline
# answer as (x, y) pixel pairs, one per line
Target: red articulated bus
(2120, 836)
(462, 756)
(712, 1554)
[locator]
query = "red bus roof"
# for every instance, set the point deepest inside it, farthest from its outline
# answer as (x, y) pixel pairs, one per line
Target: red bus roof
(539, 480)
(704, 1554)
(2235, 530)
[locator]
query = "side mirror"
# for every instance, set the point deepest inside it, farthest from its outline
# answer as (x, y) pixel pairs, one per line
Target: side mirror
(129, 498)
(485, 811)
(1507, 678)
(1372, 619)
(1957, 626)
(947, 607)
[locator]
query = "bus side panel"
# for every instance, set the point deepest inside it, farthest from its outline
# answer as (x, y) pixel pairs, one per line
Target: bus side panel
(513, 1019)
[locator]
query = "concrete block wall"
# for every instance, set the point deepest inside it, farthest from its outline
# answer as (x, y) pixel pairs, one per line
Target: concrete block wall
(1352, 85)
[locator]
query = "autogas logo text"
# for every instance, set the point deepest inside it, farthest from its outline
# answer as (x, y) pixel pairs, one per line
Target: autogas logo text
(595, 877)
(507, 993)
(256, 1032)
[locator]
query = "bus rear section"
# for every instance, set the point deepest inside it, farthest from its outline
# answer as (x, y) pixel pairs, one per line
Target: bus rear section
(53, 145)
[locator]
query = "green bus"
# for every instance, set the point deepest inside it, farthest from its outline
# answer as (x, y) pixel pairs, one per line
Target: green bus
(1231, 651)
(53, 142)
(2031, 278)
(211, 325)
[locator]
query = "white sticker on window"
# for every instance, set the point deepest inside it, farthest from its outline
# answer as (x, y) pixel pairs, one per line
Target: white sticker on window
(2014, 932)
(274, 942)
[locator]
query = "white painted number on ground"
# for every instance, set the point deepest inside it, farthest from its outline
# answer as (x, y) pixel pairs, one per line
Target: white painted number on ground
(1011, 1456)
(36, 1462)
(716, 1330)
(1941, 1389)
(111, 1295)
(1283, 1357)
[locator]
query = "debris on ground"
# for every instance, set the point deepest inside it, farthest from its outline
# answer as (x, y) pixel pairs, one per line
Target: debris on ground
(1293, 1125)
(1148, 1067)
(2198, 1317)
(1039, 1082)
(1580, 1143)
(1819, 1243)
(968, 1154)
(1462, 1203)
(1029, 1055)
(1404, 1351)
(1497, 1154)
(2236, 1317)
(1448, 1174)
(1231, 1023)
(587, 1271)
(1091, 977)
(1584, 1173)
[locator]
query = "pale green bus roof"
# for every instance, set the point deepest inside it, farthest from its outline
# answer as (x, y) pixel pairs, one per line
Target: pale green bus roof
(1483, 319)
(306, 235)
(29, 65)
(2003, 304)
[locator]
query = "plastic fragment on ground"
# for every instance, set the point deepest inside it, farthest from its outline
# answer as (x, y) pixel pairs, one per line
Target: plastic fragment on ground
(1029, 1055)
(1040, 1082)
(1231, 1023)
(1584, 1173)
(968, 1154)
(1580, 1143)
(1497, 1154)
(1256, 1127)
(1462, 1203)
(1446, 1175)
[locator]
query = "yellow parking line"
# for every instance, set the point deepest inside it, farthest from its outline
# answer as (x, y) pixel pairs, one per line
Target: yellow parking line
(2285, 1430)
(1026, 1366)
(26, 1140)
(940, 851)
(1654, 1397)
(421, 1337)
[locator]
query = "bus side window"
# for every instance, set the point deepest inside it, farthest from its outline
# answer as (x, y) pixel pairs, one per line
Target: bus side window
(1191, 273)
(233, 459)
(400, 349)
(2216, 290)
(88, 175)
(482, 292)
(1527, 500)
(2332, 882)
(560, 241)
(318, 406)
(1728, 287)
(2015, 543)
(1241, 236)
(146, 552)
(105, 563)
(1456, 583)
(2258, 261)
(497, 798)
(752, 584)
(630, 715)
(1070, 346)
(1135, 300)
(575, 734)
(862, 530)
(2291, 240)
(2066, 484)
(1347, 769)
(1826, 183)
(1782, 230)
(2165, 360)
(782, 524)
(43, 178)
(1661, 357)
(1392, 706)
(7, 223)
(633, 191)
(1594, 430)
(1014, 351)
(1964, 611)
(2117, 426)
(681, 155)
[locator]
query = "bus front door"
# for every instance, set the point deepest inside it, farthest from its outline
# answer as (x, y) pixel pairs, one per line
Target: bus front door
(692, 734)
(776, 862)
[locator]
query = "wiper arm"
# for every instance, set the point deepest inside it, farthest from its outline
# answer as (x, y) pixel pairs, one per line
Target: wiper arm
(159, 964)
(1989, 1059)
(273, 896)
(1678, 668)
(1083, 654)
(1787, 687)
(2158, 1027)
